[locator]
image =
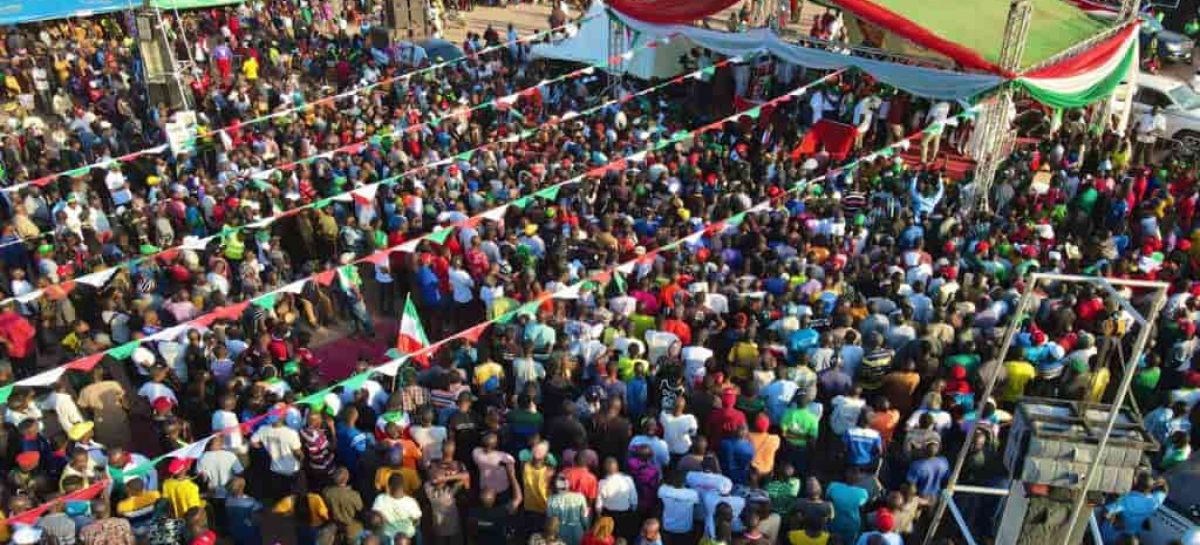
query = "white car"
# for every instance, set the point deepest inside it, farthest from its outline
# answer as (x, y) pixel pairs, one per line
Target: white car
(1179, 103)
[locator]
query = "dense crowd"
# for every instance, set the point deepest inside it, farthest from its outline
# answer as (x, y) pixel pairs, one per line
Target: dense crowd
(797, 378)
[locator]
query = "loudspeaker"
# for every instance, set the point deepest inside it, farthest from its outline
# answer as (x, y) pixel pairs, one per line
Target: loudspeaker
(407, 18)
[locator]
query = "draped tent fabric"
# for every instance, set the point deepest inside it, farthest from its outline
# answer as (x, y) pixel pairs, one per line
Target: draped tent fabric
(1092, 59)
(922, 36)
(920, 81)
(668, 12)
(1081, 89)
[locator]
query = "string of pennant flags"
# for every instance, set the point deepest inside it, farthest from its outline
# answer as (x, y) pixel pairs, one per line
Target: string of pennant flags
(391, 367)
(157, 150)
(472, 334)
(438, 236)
(367, 192)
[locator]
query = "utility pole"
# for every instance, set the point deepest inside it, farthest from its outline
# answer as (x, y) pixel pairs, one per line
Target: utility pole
(993, 138)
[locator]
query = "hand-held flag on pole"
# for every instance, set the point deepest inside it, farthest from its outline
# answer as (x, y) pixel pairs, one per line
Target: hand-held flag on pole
(412, 336)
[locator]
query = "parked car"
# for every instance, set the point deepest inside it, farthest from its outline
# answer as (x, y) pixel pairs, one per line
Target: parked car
(1172, 46)
(1179, 104)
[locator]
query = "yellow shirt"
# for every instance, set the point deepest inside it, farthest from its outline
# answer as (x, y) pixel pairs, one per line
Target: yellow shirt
(183, 495)
(134, 506)
(536, 481)
(1019, 375)
(250, 68)
(412, 480)
(318, 512)
(487, 371)
(1098, 384)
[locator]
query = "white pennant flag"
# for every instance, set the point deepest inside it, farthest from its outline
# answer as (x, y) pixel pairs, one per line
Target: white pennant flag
(45, 378)
(572, 114)
(495, 214)
(569, 292)
(263, 174)
(367, 192)
(168, 334)
(99, 278)
(409, 246)
(191, 451)
(903, 144)
(508, 100)
(626, 267)
(392, 367)
(261, 223)
(195, 243)
(588, 71)
(294, 287)
(29, 297)
(637, 157)
(693, 238)
(343, 197)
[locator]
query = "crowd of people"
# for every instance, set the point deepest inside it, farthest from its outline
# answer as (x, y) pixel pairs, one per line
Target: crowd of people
(798, 378)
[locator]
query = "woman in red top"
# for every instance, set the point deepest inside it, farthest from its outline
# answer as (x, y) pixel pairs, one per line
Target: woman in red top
(601, 533)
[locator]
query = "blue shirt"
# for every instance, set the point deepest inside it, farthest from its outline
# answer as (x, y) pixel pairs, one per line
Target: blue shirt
(1136, 507)
(801, 341)
(351, 443)
(864, 444)
(431, 292)
(736, 455)
(928, 475)
(847, 501)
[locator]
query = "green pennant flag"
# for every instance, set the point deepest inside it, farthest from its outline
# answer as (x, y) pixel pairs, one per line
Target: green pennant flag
(887, 152)
(705, 72)
(123, 351)
(353, 383)
(618, 280)
(465, 156)
(314, 398)
(266, 301)
(590, 285)
(523, 201)
(5, 392)
(549, 193)
(753, 113)
(440, 235)
(75, 173)
(681, 135)
(323, 203)
(737, 219)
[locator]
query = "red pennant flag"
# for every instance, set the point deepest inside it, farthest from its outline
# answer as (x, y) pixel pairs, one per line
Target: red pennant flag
(473, 334)
(325, 278)
(377, 258)
(86, 363)
(230, 312)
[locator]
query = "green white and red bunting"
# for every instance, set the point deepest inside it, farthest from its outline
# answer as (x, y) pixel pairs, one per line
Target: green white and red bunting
(412, 338)
(392, 367)
(1087, 77)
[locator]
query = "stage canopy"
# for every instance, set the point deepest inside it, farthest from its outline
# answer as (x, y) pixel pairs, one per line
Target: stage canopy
(589, 45)
(971, 33)
(26, 11)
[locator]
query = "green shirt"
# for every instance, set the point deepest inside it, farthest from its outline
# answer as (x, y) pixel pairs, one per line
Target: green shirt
(799, 426)
(783, 495)
(966, 361)
(1145, 382)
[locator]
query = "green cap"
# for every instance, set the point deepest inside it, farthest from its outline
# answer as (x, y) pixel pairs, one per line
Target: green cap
(148, 249)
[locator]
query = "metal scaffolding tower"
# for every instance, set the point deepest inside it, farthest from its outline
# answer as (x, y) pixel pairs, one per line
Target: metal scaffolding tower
(993, 139)
(1157, 300)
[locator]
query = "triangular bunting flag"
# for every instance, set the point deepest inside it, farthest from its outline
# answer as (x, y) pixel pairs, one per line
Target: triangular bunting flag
(294, 287)
(522, 202)
(86, 363)
(45, 378)
(355, 382)
(5, 392)
(99, 278)
(549, 193)
(409, 246)
(191, 451)
(195, 243)
(391, 368)
(122, 351)
(473, 334)
(266, 301)
(439, 236)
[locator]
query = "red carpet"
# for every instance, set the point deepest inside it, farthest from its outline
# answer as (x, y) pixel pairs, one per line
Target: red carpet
(339, 356)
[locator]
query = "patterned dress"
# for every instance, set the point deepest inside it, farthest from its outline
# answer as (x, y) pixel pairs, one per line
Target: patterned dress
(571, 510)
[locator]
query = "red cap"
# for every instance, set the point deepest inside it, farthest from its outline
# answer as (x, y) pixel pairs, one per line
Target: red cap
(29, 459)
(179, 465)
(982, 247)
(161, 404)
(884, 520)
(1039, 337)
(762, 423)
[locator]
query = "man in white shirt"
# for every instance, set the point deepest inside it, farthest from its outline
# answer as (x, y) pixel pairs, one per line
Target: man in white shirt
(934, 123)
(617, 497)
(283, 445)
(463, 288)
(218, 466)
(679, 503)
(1150, 127)
(679, 428)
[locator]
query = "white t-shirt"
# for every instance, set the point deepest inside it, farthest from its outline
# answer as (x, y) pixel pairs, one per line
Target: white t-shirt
(155, 390)
(678, 508)
(218, 466)
(281, 443)
(463, 286)
(678, 431)
(234, 440)
(400, 515)
(430, 439)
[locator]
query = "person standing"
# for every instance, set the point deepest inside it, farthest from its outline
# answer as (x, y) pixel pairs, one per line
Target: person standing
(401, 513)
(285, 450)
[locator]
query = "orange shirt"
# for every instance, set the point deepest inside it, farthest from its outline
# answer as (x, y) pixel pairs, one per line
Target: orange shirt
(765, 447)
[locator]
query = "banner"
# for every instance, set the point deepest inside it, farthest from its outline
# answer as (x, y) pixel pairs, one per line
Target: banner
(24, 11)
(192, 4)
